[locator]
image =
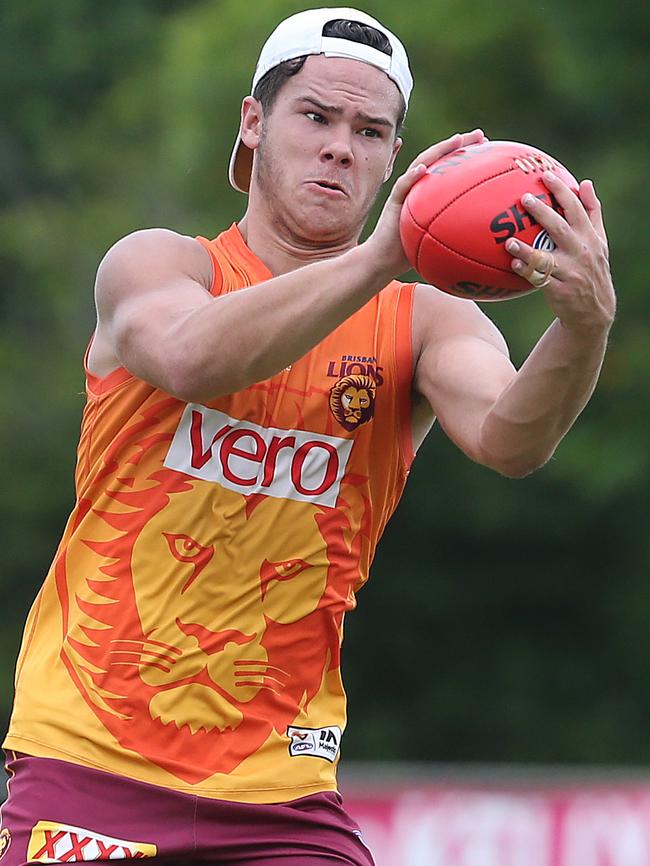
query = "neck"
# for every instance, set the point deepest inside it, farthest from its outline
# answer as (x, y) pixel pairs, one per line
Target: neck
(280, 246)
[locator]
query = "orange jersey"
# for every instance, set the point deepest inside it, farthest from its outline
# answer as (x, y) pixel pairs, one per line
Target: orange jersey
(188, 632)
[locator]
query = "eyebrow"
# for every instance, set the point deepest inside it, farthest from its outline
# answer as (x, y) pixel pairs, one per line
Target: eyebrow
(336, 109)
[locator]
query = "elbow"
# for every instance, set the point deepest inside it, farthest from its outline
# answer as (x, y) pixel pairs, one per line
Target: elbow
(515, 467)
(188, 382)
(193, 379)
(193, 376)
(513, 460)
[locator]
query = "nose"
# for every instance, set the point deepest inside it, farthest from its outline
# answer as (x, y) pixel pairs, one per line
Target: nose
(338, 149)
(213, 641)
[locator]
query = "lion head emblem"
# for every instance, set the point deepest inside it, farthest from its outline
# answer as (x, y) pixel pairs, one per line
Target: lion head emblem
(352, 400)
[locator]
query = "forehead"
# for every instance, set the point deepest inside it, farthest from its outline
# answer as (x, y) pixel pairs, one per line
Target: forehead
(341, 81)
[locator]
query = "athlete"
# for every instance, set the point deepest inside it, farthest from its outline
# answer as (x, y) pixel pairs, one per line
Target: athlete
(254, 405)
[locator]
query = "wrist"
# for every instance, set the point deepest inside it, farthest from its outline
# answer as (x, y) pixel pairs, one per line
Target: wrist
(384, 263)
(593, 333)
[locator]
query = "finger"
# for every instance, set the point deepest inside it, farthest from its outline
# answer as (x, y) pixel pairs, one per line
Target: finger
(574, 212)
(449, 145)
(432, 154)
(561, 233)
(539, 279)
(437, 151)
(540, 264)
(405, 182)
(528, 260)
(593, 208)
(476, 136)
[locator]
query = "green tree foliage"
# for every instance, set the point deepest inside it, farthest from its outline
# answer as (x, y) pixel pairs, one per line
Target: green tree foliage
(504, 620)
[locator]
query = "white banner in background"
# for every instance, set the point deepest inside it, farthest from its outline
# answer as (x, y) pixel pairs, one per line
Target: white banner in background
(451, 826)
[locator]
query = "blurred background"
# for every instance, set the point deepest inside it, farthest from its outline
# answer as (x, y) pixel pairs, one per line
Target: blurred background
(506, 622)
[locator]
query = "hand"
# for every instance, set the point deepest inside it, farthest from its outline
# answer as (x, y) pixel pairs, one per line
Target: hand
(385, 240)
(579, 290)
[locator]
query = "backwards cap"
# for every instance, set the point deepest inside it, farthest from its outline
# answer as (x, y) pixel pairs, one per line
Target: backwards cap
(302, 34)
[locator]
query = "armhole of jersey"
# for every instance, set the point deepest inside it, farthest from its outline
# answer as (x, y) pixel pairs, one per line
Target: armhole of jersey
(403, 346)
(96, 386)
(217, 275)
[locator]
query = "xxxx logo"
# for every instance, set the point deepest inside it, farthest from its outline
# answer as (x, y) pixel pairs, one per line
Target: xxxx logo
(51, 842)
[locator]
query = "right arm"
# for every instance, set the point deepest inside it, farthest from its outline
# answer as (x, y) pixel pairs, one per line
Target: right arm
(157, 318)
(156, 314)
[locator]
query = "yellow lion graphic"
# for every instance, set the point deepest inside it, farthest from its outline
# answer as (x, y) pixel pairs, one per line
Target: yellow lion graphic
(352, 400)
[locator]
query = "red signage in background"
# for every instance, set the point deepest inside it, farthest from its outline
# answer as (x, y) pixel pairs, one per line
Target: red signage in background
(447, 825)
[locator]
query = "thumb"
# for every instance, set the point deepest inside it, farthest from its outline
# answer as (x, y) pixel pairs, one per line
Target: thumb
(405, 182)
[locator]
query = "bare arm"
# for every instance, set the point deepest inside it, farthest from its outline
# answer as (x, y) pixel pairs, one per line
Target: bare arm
(156, 316)
(513, 420)
(154, 305)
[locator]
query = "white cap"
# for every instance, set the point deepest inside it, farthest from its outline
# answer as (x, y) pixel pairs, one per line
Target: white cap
(302, 34)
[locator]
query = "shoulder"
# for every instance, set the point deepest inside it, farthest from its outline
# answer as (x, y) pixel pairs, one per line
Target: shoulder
(439, 317)
(147, 255)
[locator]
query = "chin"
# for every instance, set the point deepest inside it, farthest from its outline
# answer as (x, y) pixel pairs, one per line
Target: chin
(323, 226)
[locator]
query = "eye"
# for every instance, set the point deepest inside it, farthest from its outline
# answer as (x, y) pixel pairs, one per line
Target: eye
(184, 548)
(282, 570)
(315, 116)
(289, 568)
(369, 132)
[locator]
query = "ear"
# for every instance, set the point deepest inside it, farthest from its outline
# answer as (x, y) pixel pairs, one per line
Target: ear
(397, 146)
(252, 119)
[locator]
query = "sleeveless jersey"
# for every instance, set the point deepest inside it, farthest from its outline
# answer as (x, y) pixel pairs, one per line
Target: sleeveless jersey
(188, 632)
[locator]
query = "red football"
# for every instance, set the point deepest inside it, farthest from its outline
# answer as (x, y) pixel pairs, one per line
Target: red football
(457, 217)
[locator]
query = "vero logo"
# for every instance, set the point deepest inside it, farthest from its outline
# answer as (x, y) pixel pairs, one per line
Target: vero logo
(247, 458)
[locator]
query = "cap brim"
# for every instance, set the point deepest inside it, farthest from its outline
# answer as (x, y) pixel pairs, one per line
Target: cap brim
(241, 166)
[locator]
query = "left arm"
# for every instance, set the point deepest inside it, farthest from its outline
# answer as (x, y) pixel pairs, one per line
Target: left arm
(513, 420)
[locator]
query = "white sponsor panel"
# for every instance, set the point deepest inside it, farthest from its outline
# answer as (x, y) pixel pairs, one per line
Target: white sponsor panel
(315, 742)
(247, 458)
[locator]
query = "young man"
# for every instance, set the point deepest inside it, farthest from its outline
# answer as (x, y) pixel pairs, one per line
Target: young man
(254, 405)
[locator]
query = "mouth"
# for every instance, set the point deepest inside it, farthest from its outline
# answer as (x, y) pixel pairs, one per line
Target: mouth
(329, 187)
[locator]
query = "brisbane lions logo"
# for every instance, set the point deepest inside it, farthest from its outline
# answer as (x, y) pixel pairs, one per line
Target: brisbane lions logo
(352, 400)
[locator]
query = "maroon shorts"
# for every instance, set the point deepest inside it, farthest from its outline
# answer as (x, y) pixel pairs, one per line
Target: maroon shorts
(57, 812)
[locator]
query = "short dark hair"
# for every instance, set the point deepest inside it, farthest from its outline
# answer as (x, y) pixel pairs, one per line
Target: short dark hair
(268, 87)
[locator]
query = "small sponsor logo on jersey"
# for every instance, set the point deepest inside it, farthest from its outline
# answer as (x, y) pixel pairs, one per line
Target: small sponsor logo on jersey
(51, 842)
(352, 400)
(315, 742)
(544, 241)
(247, 458)
(5, 841)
